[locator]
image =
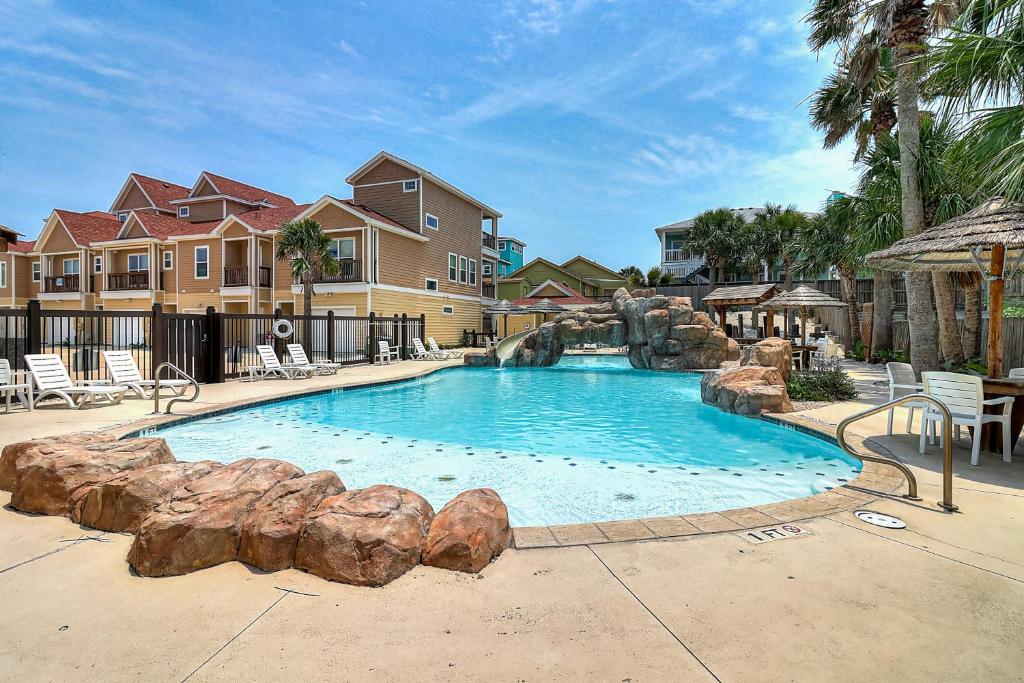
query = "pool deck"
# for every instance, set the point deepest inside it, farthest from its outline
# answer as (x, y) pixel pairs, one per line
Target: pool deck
(942, 599)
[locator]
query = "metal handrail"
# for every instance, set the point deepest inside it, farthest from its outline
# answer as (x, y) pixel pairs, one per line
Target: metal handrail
(947, 440)
(156, 388)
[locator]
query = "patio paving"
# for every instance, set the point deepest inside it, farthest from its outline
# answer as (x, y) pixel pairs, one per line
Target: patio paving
(942, 599)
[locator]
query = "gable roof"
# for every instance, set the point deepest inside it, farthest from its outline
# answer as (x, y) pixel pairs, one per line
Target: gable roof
(540, 259)
(369, 215)
(571, 298)
(22, 246)
(234, 188)
(158, 192)
(383, 155)
(92, 226)
(606, 269)
(265, 218)
(162, 227)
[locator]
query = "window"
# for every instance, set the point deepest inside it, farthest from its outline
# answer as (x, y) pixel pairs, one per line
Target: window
(138, 262)
(430, 284)
(409, 185)
(432, 222)
(122, 216)
(487, 268)
(448, 310)
(501, 245)
(472, 271)
(453, 267)
(97, 264)
(202, 263)
(3, 274)
(168, 260)
(71, 266)
(463, 269)
(343, 248)
(182, 212)
(37, 271)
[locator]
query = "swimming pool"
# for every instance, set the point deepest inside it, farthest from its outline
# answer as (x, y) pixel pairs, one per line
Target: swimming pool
(589, 439)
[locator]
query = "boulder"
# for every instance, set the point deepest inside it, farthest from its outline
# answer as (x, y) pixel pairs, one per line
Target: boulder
(771, 352)
(468, 532)
(480, 360)
(748, 390)
(733, 350)
(201, 525)
(12, 453)
(51, 480)
(122, 503)
(367, 537)
(690, 334)
(271, 531)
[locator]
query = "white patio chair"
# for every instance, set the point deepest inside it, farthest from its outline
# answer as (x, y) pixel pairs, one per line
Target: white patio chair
(446, 353)
(271, 366)
(419, 352)
(8, 387)
(965, 397)
(797, 359)
(387, 354)
(1016, 373)
(299, 359)
(124, 371)
(51, 379)
(903, 382)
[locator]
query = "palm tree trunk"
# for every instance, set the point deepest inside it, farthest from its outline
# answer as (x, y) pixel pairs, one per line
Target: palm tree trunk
(920, 311)
(848, 284)
(972, 315)
(945, 306)
(881, 313)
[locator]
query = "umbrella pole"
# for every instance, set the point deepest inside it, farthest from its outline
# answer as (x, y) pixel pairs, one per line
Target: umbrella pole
(803, 326)
(995, 313)
(506, 324)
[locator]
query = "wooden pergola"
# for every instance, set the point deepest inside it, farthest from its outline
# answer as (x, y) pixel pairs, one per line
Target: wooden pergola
(744, 295)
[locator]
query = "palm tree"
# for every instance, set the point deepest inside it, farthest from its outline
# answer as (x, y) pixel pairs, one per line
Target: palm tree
(304, 244)
(774, 240)
(716, 233)
(863, 28)
(655, 277)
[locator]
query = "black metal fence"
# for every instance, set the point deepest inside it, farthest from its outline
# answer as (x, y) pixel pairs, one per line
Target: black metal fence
(210, 346)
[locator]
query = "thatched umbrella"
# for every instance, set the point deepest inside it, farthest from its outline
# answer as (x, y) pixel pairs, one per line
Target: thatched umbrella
(988, 238)
(803, 297)
(545, 307)
(504, 308)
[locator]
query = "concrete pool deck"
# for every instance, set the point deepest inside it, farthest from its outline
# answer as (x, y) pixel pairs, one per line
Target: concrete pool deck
(941, 599)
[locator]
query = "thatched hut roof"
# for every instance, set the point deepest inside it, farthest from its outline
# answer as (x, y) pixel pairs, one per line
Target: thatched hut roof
(743, 295)
(802, 297)
(545, 306)
(504, 307)
(960, 244)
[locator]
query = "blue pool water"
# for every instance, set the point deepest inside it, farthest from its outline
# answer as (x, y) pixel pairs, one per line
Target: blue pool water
(590, 439)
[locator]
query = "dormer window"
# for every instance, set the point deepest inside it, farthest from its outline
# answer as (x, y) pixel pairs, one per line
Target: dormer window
(409, 185)
(182, 212)
(122, 216)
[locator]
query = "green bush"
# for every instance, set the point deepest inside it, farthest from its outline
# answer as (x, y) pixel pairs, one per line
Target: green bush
(857, 352)
(890, 356)
(832, 386)
(971, 366)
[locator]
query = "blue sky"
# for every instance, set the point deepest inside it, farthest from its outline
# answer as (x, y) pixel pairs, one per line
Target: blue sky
(585, 122)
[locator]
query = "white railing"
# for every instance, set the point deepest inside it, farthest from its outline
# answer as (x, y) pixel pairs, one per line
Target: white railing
(676, 255)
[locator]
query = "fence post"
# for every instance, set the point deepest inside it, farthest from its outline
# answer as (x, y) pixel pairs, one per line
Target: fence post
(330, 335)
(403, 337)
(158, 336)
(215, 345)
(423, 325)
(371, 337)
(276, 341)
(34, 327)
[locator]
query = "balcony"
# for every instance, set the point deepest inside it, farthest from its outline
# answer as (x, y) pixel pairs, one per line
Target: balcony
(489, 241)
(488, 290)
(678, 255)
(350, 270)
(238, 276)
(62, 283)
(130, 280)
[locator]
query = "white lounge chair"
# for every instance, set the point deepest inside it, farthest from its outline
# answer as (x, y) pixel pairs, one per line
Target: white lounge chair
(964, 395)
(419, 352)
(1016, 373)
(903, 382)
(387, 354)
(434, 348)
(299, 359)
(124, 371)
(8, 387)
(271, 366)
(51, 379)
(590, 348)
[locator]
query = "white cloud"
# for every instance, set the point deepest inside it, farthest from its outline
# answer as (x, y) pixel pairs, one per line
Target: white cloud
(673, 160)
(545, 17)
(347, 48)
(751, 112)
(713, 89)
(746, 44)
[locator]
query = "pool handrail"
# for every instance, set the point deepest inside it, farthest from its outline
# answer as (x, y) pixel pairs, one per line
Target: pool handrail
(156, 388)
(947, 440)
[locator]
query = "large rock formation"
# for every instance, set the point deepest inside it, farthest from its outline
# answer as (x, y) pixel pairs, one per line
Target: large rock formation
(201, 525)
(772, 352)
(468, 532)
(755, 384)
(13, 453)
(662, 333)
(271, 532)
(367, 537)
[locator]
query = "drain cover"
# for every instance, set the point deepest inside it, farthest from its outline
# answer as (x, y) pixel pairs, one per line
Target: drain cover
(878, 519)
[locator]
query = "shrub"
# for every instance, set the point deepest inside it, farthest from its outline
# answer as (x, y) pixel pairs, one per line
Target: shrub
(857, 352)
(832, 386)
(971, 366)
(890, 356)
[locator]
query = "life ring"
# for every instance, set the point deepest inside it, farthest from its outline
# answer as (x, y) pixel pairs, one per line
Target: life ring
(283, 328)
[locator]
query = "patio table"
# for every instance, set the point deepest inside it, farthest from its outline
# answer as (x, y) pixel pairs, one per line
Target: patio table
(991, 436)
(805, 354)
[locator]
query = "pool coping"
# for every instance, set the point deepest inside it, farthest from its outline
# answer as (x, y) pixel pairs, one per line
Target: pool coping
(873, 482)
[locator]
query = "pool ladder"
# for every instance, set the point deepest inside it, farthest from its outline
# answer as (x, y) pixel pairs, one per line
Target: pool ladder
(156, 388)
(947, 440)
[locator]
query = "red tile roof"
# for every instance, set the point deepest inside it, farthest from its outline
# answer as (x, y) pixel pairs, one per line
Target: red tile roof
(162, 227)
(22, 246)
(92, 226)
(247, 192)
(271, 219)
(575, 299)
(160, 192)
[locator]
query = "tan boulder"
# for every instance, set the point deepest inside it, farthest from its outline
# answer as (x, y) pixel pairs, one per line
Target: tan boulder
(271, 531)
(748, 390)
(51, 480)
(770, 352)
(201, 525)
(468, 532)
(14, 452)
(367, 537)
(122, 503)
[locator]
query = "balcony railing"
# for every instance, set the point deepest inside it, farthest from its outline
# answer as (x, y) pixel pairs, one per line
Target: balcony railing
(263, 272)
(62, 283)
(488, 291)
(675, 255)
(349, 271)
(130, 280)
(236, 276)
(488, 240)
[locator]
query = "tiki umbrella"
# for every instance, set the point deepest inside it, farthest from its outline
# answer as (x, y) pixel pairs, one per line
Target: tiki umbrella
(802, 297)
(504, 308)
(545, 307)
(988, 238)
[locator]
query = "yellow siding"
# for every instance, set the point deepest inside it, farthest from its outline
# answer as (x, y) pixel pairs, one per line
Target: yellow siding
(446, 329)
(334, 300)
